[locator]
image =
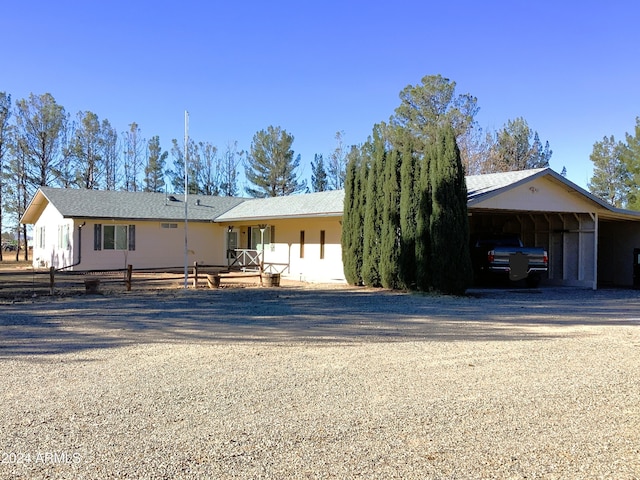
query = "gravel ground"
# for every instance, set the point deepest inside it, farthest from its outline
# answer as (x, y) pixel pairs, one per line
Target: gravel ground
(295, 382)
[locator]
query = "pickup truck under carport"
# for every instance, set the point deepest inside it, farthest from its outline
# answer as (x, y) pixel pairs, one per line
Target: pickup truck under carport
(507, 256)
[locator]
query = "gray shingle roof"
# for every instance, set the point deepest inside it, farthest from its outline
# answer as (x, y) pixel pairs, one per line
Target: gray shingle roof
(328, 204)
(482, 185)
(78, 203)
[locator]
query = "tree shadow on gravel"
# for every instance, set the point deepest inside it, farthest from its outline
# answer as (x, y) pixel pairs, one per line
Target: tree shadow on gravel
(295, 315)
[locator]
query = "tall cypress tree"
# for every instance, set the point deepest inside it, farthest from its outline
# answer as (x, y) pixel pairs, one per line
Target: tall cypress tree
(350, 221)
(449, 224)
(373, 206)
(422, 197)
(390, 227)
(360, 207)
(408, 215)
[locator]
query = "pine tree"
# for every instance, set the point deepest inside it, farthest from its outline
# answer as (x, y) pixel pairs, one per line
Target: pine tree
(41, 125)
(5, 138)
(449, 224)
(176, 174)
(86, 149)
(319, 180)
(630, 157)
(111, 154)
(336, 170)
(610, 180)
(154, 170)
(211, 169)
(230, 161)
(272, 165)
(516, 147)
(133, 156)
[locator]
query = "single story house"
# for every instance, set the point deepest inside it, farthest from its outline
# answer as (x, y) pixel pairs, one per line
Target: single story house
(589, 242)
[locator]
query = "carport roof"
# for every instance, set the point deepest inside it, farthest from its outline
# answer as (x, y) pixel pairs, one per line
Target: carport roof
(483, 187)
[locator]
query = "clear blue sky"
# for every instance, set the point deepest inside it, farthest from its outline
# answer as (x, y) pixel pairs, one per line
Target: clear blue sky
(570, 68)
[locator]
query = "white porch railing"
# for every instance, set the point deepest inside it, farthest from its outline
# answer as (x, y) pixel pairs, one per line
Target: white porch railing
(245, 259)
(253, 260)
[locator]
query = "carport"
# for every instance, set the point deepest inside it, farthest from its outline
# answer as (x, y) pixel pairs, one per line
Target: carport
(589, 243)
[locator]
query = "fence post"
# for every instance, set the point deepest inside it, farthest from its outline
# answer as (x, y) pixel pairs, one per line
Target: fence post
(52, 274)
(195, 274)
(127, 282)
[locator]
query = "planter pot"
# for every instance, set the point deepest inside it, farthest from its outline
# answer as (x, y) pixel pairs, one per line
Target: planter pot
(271, 279)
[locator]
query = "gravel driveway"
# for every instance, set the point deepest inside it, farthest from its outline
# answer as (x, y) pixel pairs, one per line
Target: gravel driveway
(296, 382)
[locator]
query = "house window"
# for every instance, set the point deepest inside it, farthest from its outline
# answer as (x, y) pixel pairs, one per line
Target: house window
(256, 237)
(63, 237)
(114, 237)
(301, 243)
(321, 244)
(40, 237)
(169, 225)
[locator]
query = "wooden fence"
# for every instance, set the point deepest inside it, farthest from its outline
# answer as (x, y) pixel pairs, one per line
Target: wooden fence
(34, 282)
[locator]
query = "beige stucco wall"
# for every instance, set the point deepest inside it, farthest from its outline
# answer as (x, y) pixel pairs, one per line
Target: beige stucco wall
(155, 247)
(539, 195)
(286, 248)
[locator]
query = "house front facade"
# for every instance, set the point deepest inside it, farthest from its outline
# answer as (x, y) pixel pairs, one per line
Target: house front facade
(92, 230)
(589, 242)
(302, 234)
(297, 236)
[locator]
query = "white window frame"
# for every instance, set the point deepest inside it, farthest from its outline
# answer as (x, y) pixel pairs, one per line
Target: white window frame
(63, 236)
(119, 231)
(41, 237)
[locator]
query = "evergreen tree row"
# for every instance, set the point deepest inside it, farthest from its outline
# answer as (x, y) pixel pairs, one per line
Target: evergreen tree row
(405, 222)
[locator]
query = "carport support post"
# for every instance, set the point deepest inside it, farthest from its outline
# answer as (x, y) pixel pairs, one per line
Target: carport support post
(594, 216)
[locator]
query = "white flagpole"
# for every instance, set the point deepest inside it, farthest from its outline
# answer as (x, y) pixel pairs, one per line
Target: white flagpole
(186, 195)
